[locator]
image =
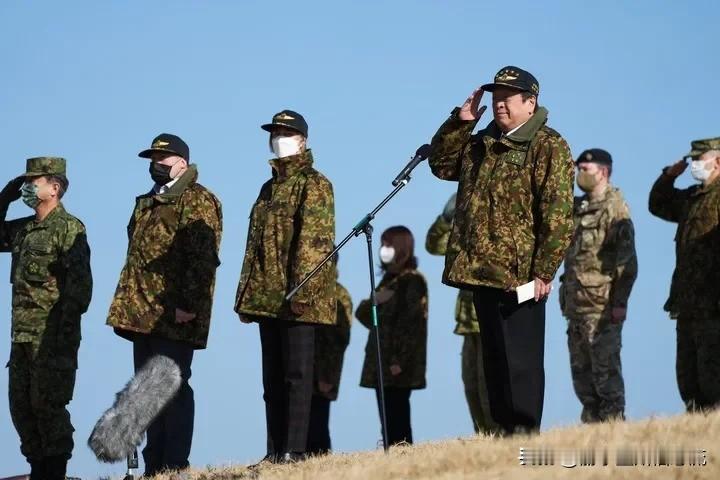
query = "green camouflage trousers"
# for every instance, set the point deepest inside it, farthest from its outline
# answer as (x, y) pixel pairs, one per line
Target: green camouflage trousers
(698, 362)
(473, 376)
(596, 368)
(39, 393)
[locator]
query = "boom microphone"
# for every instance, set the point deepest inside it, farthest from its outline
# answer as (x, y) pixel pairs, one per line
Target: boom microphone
(121, 428)
(421, 154)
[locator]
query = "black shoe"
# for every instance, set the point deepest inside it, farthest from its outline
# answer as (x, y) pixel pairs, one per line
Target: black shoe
(292, 457)
(270, 458)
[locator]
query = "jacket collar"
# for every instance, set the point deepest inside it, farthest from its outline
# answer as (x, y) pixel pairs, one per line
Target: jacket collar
(54, 213)
(701, 190)
(175, 192)
(286, 167)
(523, 135)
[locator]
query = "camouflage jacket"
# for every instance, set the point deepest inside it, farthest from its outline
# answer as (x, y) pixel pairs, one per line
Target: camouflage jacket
(292, 228)
(173, 245)
(695, 289)
(601, 264)
(330, 344)
(513, 220)
(436, 244)
(403, 332)
(51, 279)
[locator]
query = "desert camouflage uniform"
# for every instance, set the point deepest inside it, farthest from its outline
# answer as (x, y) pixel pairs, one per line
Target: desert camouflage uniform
(330, 344)
(695, 291)
(174, 239)
(403, 332)
(292, 228)
(600, 270)
(514, 207)
(51, 289)
(466, 324)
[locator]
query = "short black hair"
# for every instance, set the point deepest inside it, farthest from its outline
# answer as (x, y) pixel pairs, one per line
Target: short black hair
(61, 181)
(526, 95)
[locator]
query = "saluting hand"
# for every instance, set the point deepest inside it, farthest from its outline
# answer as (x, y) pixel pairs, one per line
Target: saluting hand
(182, 317)
(471, 109)
(676, 169)
(11, 192)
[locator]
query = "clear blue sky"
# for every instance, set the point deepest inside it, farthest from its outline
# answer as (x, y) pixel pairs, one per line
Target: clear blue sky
(96, 81)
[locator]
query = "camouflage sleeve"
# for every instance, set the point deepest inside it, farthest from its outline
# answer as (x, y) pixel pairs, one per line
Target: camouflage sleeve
(666, 201)
(626, 267)
(315, 239)
(448, 146)
(75, 259)
(438, 236)
(411, 312)
(9, 230)
(199, 236)
(553, 179)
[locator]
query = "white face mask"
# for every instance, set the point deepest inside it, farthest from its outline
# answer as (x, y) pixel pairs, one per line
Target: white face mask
(387, 255)
(285, 146)
(699, 170)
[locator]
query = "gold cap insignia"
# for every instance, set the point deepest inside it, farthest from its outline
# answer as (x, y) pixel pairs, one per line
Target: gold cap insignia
(506, 76)
(284, 116)
(588, 157)
(160, 144)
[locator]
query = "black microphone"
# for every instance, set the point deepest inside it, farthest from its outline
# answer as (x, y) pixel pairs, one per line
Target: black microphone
(421, 154)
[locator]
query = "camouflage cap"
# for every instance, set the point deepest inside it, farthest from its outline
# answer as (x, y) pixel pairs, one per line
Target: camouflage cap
(288, 119)
(595, 155)
(516, 78)
(698, 147)
(39, 166)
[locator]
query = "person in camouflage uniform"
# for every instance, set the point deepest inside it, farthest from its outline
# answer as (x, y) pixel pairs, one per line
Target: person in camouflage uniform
(330, 344)
(600, 270)
(51, 289)
(292, 229)
(467, 325)
(695, 290)
(402, 297)
(163, 299)
(512, 226)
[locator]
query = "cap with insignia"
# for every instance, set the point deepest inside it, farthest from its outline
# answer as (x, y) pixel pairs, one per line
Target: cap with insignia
(288, 119)
(595, 155)
(516, 78)
(167, 143)
(40, 166)
(698, 147)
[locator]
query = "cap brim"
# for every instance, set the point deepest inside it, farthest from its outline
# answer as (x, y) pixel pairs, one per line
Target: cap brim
(489, 87)
(148, 153)
(270, 127)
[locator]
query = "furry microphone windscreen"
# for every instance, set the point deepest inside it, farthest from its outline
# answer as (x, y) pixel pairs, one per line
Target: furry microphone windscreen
(121, 428)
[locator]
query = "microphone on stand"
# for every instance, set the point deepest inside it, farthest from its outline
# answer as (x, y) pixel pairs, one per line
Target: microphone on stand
(421, 154)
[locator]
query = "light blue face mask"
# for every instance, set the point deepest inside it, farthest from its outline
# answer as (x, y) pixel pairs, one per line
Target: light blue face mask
(29, 195)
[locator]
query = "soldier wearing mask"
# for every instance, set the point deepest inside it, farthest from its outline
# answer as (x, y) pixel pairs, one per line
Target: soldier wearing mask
(467, 325)
(402, 298)
(163, 299)
(292, 228)
(511, 228)
(330, 344)
(695, 289)
(51, 289)
(600, 270)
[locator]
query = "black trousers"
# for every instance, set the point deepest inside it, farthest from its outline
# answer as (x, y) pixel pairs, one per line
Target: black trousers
(319, 433)
(513, 342)
(288, 356)
(169, 437)
(397, 410)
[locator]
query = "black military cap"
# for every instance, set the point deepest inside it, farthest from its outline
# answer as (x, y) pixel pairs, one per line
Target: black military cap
(167, 143)
(514, 77)
(288, 119)
(595, 155)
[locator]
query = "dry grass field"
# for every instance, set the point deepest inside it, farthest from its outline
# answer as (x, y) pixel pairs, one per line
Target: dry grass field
(495, 458)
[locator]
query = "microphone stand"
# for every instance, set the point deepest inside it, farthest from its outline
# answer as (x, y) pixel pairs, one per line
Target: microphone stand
(365, 226)
(132, 465)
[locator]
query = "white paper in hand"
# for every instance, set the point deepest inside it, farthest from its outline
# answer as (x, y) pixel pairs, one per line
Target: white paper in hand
(526, 292)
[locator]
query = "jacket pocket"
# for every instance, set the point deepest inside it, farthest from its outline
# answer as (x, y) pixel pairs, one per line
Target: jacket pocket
(36, 263)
